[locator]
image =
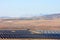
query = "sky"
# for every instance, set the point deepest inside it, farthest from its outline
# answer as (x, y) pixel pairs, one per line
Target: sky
(27, 8)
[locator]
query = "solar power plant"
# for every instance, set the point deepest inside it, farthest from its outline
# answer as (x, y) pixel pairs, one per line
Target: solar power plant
(28, 34)
(47, 32)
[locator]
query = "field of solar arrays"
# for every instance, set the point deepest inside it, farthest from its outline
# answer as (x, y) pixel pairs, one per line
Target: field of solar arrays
(27, 34)
(29, 39)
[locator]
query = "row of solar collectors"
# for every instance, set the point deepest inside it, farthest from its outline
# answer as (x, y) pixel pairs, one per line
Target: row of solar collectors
(48, 31)
(48, 36)
(28, 32)
(14, 32)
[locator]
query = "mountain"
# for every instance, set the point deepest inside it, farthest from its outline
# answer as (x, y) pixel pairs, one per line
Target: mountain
(51, 16)
(45, 17)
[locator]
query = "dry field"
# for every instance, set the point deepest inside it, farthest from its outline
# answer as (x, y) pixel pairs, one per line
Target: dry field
(29, 39)
(31, 24)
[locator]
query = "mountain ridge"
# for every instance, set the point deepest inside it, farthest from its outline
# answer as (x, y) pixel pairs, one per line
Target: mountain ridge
(46, 17)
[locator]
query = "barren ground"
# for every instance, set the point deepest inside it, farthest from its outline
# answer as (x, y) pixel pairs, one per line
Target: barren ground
(29, 39)
(31, 24)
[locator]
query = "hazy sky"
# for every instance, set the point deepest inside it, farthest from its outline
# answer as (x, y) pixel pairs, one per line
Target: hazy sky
(28, 7)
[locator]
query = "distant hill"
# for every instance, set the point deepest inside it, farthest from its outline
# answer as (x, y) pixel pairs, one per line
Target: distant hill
(45, 17)
(51, 16)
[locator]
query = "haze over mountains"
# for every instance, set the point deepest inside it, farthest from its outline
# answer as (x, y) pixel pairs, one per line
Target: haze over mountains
(46, 17)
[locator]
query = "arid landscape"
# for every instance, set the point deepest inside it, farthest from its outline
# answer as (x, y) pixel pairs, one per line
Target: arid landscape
(29, 19)
(47, 22)
(33, 24)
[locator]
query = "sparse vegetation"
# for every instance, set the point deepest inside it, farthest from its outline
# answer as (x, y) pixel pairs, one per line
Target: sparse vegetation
(31, 24)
